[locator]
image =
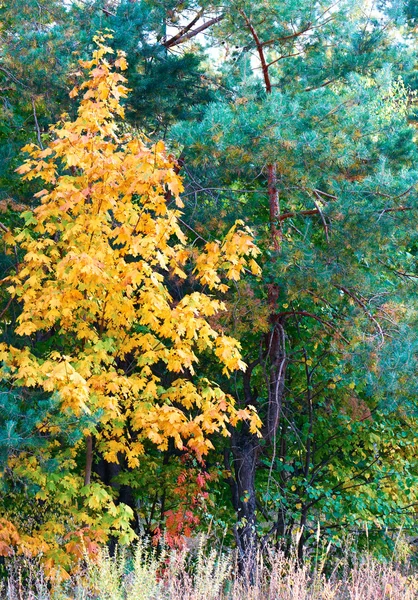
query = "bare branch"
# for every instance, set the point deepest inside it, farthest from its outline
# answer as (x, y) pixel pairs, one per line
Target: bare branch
(191, 34)
(321, 215)
(283, 57)
(38, 131)
(3, 312)
(286, 38)
(193, 230)
(365, 309)
(304, 313)
(316, 191)
(106, 11)
(401, 195)
(183, 31)
(259, 46)
(289, 215)
(395, 209)
(12, 77)
(321, 85)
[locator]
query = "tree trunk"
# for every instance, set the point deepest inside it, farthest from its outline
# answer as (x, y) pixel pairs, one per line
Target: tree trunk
(245, 445)
(245, 449)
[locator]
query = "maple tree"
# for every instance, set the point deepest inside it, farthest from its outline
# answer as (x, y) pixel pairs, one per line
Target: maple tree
(120, 351)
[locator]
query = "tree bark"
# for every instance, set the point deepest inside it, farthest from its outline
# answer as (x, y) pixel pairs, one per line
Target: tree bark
(245, 445)
(245, 451)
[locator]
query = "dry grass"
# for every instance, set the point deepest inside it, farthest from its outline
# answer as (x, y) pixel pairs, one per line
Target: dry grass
(206, 575)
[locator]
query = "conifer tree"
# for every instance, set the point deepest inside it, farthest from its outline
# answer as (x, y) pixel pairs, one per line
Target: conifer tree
(314, 149)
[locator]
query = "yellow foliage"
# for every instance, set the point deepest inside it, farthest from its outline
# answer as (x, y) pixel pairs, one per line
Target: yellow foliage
(97, 251)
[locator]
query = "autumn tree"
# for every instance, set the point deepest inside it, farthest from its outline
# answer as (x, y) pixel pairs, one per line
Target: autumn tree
(104, 345)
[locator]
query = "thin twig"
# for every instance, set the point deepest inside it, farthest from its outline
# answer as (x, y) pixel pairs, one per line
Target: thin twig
(3, 312)
(38, 131)
(321, 215)
(366, 310)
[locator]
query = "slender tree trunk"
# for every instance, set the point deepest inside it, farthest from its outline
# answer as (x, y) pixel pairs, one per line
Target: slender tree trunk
(245, 445)
(245, 450)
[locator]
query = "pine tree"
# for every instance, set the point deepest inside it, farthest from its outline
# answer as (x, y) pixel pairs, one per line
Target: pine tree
(313, 148)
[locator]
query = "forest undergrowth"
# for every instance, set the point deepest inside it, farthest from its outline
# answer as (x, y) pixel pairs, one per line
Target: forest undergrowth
(203, 574)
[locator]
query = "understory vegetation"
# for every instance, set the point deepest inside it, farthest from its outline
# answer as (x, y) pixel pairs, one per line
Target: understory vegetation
(202, 575)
